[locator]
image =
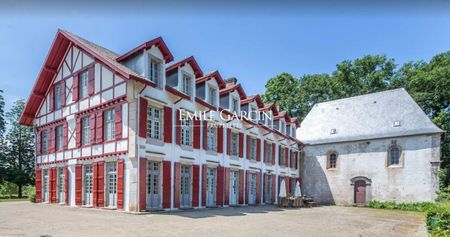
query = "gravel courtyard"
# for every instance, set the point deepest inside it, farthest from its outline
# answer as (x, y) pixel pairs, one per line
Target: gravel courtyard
(26, 219)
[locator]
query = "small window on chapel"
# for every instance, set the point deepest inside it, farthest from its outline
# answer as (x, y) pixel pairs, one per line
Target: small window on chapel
(332, 161)
(394, 155)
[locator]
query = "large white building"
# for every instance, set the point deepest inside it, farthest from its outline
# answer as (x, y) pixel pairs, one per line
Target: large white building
(109, 132)
(378, 146)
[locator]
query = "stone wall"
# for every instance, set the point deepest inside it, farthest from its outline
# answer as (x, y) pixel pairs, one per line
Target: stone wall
(414, 180)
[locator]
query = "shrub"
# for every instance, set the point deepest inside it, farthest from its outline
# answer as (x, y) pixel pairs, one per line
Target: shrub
(444, 195)
(415, 206)
(438, 219)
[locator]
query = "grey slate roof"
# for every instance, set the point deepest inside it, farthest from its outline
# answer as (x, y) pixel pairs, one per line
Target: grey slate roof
(365, 117)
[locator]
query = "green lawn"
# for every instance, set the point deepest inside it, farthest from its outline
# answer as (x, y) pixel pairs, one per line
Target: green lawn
(14, 199)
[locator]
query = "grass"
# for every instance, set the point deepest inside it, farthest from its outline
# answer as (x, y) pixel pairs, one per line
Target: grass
(14, 199)
(437, 215)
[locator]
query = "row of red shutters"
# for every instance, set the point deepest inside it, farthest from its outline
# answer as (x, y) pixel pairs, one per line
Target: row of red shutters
(222, 185)
(98, 184)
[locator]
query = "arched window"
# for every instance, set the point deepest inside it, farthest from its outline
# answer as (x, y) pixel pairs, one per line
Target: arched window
(332, 160)
(394, 155)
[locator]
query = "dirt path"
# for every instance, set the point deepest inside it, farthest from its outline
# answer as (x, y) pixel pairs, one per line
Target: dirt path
(26, 219)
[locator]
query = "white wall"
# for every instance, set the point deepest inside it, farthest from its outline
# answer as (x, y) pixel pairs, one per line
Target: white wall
(414, 182)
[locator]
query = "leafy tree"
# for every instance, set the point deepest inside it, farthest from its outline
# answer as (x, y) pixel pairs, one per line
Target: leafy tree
(427, 82)
(2, 131)
(18, 161)
(283, 90)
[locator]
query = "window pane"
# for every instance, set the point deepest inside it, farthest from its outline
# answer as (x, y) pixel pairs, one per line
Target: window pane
(83, 84)
(86, 131)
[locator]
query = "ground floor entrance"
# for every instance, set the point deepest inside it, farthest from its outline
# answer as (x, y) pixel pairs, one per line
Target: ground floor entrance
(186, 187)
(234, 187)
(153, 185)
(210, 187)
(360, 192)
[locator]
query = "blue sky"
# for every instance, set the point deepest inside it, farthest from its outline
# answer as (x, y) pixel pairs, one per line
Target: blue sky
(252, 47)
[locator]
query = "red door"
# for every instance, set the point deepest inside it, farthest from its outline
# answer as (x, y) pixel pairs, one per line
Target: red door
(360, 192)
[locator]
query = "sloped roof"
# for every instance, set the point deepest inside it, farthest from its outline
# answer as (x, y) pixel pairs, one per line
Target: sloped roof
(62, 41)
(252, 98)
(189, 60)
(365, 117)
(215, 74)
(158, 42)
(229, 87)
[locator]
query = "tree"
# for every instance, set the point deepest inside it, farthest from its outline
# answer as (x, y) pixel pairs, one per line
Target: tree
(428, 83)
(2, 131)
(283, 89)
(18, 161)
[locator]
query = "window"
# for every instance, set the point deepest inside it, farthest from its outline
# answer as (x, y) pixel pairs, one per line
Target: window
(253, 113)
(282, 156)
(394, 155)
(212, 93)
(252, 149)
(85, 130)
(186, 85)
(155, 71)
(109, 126)
(234, 105)
(84, 85)
(269, 153)
(154, 122)
(234, 144)
(212, 138)
(186, 132)
(332, 161)
(333, 131)
(59, 137)
(58, 97)
(282, 128)
(44, 142)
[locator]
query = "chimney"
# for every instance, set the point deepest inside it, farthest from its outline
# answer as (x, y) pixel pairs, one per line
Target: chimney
(231, 80)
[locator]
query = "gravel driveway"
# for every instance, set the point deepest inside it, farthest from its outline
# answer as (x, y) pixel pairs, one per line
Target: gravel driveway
(27, 219)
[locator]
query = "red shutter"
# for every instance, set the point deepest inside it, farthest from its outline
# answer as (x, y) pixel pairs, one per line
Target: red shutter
(273, 153)
(228, 141)
(177, 183)
(51, 100)
(120, 173)
(219, 186)
(95, 184)
(247, 147)
(118, 121)
(227, 186)
(273, 188)
(92, 128)
(38, 143)
(258, 187)
(78, 132)
(38, 185)
(53, 184)
(167, 191)
(177, 127)
(219, 139)
(241, 187)
(78, 184)
(99, 126)
(63, 93)
(143, 184)
(143, 118)
(205, 135)
(204, 170)
(168, 124)
(101, 184)
(91, 80)
(258, 149)
(241, 145)
(75, 88)
(65, 135)
(195, 185)
(196, 133)
(66, 185)
(286, 157)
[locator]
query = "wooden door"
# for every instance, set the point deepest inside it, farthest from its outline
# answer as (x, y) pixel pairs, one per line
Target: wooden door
(360, 192)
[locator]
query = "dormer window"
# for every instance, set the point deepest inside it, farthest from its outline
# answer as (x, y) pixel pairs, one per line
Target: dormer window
(155, 71)
(186, 85)
(234, 105)
(212, 96)
(397, 123)
(253, 112)
(333, 131)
